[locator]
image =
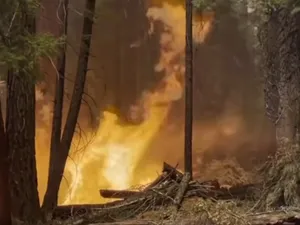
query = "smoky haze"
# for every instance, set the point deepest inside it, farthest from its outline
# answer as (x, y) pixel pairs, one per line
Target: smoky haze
(230, 125)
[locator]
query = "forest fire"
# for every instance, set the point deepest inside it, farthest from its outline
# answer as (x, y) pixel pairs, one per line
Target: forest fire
(142, 129)
(109, 161)
(121, 148)
(142, 112)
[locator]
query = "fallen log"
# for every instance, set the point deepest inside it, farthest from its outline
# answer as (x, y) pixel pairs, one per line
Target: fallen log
(278, 217)
(129, 222)
(182, 189)
(123, 194)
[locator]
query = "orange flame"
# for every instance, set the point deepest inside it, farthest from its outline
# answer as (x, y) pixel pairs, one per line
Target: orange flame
(110, 160)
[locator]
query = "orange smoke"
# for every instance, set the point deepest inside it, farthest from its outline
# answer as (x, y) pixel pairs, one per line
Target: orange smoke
(110, 160)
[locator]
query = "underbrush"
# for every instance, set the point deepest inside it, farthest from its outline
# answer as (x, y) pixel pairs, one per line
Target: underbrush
(282, 178)
(227, 172)
(199, 211)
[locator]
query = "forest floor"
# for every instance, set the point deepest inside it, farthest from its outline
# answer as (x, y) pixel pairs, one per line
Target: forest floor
(197, 211)
(204, 203)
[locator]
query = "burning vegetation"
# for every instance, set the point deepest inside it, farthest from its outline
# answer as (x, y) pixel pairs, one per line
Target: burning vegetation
(117, 147)
(115, 153)
(126, 147)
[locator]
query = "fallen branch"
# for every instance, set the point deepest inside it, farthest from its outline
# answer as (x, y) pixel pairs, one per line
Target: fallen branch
(182, 189)
(123, 194)
(129, 222)
(172, 172)
(278, 217)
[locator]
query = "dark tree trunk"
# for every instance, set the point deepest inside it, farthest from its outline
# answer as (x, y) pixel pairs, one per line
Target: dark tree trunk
(58, 104)
(61, 154)
(188, 89)
(20, 127)
(20, 130)
(280, 38)
(5, 213)
(188, 136)
(268, 40)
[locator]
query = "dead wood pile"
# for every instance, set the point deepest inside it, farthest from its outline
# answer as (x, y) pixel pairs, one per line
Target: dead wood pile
(163, 192)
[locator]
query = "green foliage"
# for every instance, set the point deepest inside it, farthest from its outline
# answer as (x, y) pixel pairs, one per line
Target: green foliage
(27, 50)
(19, 48)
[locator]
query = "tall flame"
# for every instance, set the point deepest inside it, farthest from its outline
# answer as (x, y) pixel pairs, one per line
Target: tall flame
(110, 161)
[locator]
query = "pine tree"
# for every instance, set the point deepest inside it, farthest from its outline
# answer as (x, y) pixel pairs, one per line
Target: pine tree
(280, 38)
(20, 50)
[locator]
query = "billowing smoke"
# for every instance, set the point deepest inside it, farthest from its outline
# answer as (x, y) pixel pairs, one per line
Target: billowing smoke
(229, 126)
(120, 155)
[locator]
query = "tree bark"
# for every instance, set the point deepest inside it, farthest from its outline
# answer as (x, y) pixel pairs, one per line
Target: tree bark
(188, 138)
(282, 58)
(189, 90)
(20, 130)
(60, 157)
(5, 213)
(58, 103)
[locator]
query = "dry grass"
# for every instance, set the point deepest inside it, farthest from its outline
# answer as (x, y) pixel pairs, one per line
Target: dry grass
(281, 178)
(227, 172)
(199, 211)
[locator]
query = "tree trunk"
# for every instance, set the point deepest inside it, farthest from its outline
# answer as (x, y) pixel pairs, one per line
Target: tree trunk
(281, 42)
(188, 138)
(189, 89)
(20, 127)
(20, 130)
(58, 103)
(61, 154)
(5, 217)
